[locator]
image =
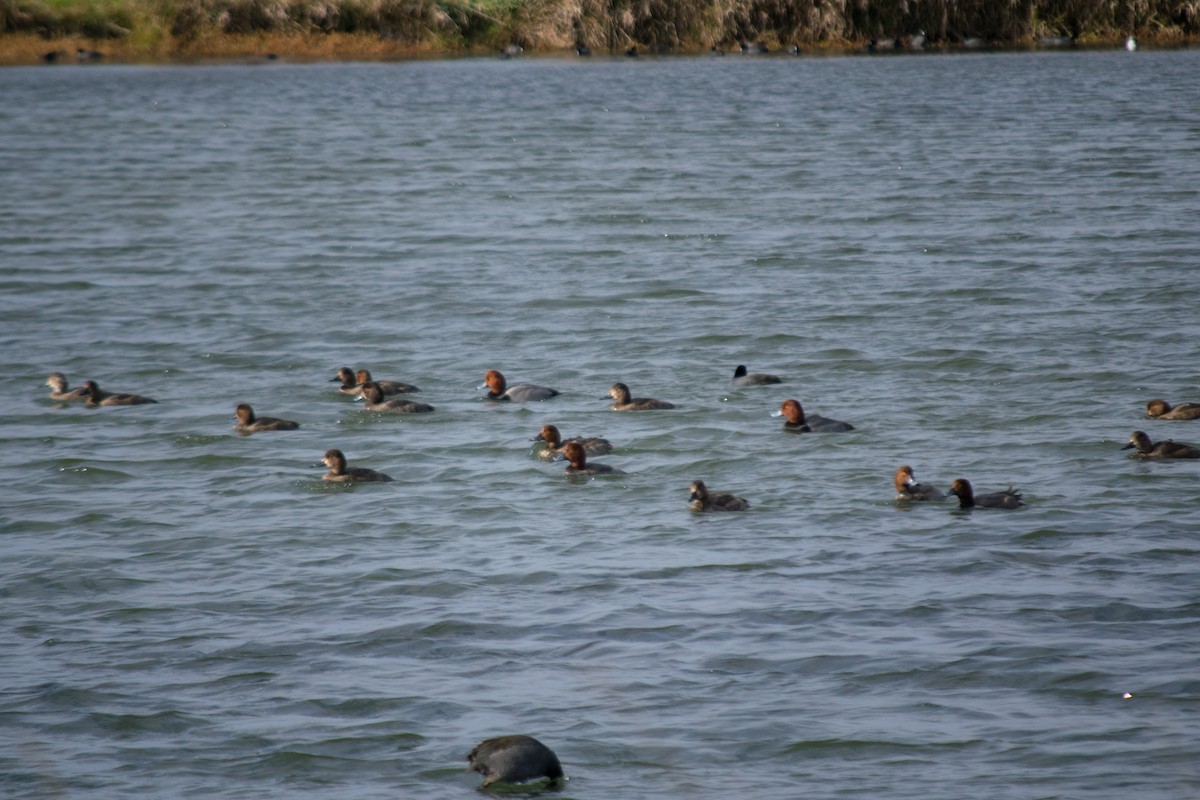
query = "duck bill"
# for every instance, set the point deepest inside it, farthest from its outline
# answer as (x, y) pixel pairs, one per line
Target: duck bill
(1129, 446)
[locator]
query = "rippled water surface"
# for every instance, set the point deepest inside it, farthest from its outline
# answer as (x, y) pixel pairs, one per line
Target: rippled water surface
(986, 263)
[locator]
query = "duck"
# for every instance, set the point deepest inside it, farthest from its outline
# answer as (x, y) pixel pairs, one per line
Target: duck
(968, 499)
(592, 445)
(703, 500)
(799, 422)
(622, 401)
(387, 387)
(340, 473)
(498, 389)
(1161, 409)
(577, 456)
(373, 400)
(513, 759)
(249, 423)
(59, 391)
(1166, 449)
(741, 378)
(97, 398)
(907, 487)
(348, 379)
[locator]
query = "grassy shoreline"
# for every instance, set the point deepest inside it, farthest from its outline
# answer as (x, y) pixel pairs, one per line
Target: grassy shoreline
(164, 31)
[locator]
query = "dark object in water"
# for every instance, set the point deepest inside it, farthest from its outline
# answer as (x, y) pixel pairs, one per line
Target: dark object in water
(513, 759)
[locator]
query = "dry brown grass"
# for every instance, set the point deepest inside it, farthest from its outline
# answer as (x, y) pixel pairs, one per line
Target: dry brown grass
(164, 30)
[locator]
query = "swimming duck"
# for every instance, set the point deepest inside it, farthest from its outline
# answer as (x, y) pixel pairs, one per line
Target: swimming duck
(372, 396)
(702, 500)
(340, 473)
(574, 453)
(248, 423)
(59, 391)
(96, 397)
(512, 759)
(387, 387)
(592, 446)
(907, 487)
(968, 499)
(498, 389)
(1161, 409)
(1165, 449)
(740, 378)
(624, 402)
(799, 422)
(349, 381)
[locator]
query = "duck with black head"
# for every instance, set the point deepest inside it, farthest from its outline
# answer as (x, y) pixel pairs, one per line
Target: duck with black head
(742, 378)
(389, 388)
(498, 389)
(961, 488)
(339, 472)
(623, 400)
(247, 422)
(373, 400)
(796, 421)
(701, 499)
(98, 397)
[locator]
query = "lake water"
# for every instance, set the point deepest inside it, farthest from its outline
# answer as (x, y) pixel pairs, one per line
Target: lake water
(987, 263)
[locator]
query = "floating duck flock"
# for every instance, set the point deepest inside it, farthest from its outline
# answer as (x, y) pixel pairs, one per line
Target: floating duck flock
(519, 758)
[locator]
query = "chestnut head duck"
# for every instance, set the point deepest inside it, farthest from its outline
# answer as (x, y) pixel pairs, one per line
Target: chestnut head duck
(248, 423)
(703, 500)
(907, 487)
(498, 389)
(513, 759)
(623, 401)
(592, 446)
(798, 422)
(574, 453)
(1165, 449)
(741, 378)
(387, 387)
(1161, 409)
(373, 400)
(59, 391)
(96, 397)
(968, 499)
(340, 473)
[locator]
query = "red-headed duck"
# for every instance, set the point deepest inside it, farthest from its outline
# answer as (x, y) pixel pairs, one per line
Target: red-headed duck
(575, 454)
(59, 391)
(742, 378)
(798, 422)
(387, 387)
(349, 381)
(340, 473)
(249, 423)
(96, 397)
(592, 446)
(623, 401)
(907, 487)
(513, 759)
(703, 500)
(968, 499)
(1161, 409)
(373, 401)
(1167, 449)
(498, 389)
